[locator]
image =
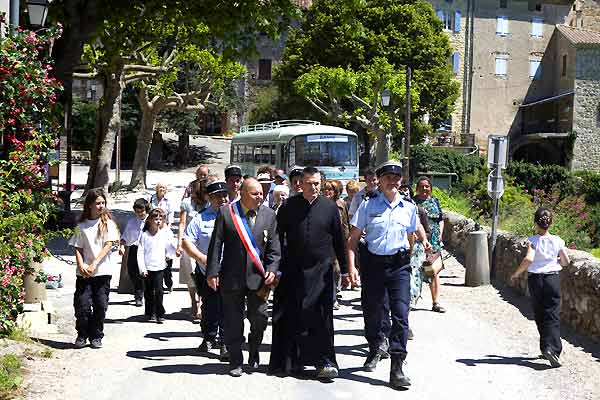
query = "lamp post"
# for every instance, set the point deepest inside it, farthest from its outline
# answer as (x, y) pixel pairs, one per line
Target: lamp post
(386, 97)
(38, 11)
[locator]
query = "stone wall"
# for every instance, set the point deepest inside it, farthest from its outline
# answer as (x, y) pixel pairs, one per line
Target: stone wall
(580, 281)
(586, 109)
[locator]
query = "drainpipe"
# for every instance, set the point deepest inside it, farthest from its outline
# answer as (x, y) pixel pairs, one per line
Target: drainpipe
(470, 76)
(14, 16)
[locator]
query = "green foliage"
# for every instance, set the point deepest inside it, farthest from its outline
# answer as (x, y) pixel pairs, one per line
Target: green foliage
(454, 201)
(182, 123)
(595, 252)
(30, 125)
(428, 158)
(84, 124)
(532, 176)
(10, 376)
(353, 48)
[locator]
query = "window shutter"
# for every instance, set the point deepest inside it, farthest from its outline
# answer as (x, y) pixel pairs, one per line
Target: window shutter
(457, 16)
(455, 61)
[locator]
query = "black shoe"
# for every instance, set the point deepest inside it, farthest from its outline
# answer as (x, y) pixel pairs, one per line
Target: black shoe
(160, 320)
(397, 377)
(253, 361)
(236, 372)
(79, 342)
(327, 371)
(551, 356)
(96, 343)
(371, 362)
(411, 335)
(138, 302)
(206, 346)
(224, 354)
(150, 318)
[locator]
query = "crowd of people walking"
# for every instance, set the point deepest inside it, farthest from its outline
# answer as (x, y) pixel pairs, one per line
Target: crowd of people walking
(294, 239)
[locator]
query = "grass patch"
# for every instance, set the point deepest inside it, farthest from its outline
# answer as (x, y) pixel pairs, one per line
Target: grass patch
(19, 334)
(455, 202)
(595, 252)
(46, 353)
(10, 376)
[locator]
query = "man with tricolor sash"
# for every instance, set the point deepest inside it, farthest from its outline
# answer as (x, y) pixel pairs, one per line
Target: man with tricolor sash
(243, 259)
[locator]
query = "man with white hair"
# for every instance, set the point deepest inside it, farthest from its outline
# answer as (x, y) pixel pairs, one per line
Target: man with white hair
(280, 194)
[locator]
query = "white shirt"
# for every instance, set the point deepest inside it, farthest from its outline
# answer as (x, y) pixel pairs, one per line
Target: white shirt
(86, 238)
(153, 249)
(546, 249)
(132, 231)
(356, 201)
(165, 205)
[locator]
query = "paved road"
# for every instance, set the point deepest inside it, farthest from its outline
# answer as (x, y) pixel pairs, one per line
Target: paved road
(484, 347)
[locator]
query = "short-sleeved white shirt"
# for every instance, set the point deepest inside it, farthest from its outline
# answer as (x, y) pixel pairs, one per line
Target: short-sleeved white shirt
(132, 231)
(86, 238)
(546, 249)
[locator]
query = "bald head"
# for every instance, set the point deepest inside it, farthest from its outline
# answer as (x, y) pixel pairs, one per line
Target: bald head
(251, 194)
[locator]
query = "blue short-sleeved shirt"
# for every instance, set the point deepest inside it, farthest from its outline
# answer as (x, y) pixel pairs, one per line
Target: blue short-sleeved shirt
(386, 224)
(201, 228)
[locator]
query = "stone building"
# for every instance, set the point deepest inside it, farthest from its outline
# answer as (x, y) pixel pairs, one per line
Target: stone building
(502, 58)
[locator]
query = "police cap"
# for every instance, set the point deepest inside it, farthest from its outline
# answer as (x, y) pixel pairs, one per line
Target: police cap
(390, 167)
(216, 187)
(233, 170)
(296, 171)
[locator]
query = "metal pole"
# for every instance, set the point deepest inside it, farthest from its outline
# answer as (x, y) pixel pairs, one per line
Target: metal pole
(406, 163)
(118, 155)
(495, 179)
(14, 16)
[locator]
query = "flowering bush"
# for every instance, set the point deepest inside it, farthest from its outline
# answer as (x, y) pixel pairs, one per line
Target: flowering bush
(29, 125)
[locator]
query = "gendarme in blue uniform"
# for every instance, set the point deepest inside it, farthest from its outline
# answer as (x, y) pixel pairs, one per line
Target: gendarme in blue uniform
(386, 224)
(201, 228)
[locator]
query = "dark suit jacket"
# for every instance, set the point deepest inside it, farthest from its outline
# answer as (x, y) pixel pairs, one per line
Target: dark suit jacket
(235, 269)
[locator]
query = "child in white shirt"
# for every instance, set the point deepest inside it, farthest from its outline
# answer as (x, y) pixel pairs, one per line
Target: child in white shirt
(130, 238)
(160, 200)
(93, 241)
(155, 243)
(546, 255)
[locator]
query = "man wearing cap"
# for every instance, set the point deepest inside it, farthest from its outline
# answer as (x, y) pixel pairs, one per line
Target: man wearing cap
(243, 259)
(267, 186)
(387, 221)
(310, 227)
(364, 193)
(195, 243)
(295, 180)
(233, 178)
(281, 178)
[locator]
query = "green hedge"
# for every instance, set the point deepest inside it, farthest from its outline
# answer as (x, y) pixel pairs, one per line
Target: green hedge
(428, 158)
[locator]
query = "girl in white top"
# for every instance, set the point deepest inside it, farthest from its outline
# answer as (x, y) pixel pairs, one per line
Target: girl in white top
(93, 241)
(159, 200)
(155, 243)
(546, 255)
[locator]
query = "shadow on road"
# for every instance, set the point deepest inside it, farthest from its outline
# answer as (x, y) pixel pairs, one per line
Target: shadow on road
(195, 369)
(55, 344)
(164, 354)
(165, 336)
(503, 360)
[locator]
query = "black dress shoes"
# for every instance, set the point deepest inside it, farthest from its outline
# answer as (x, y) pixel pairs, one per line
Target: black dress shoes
(206, 346)
(397, 378)
(224, 354)
(327, 371)
(371, 362)
(253, 361)
(236, 372)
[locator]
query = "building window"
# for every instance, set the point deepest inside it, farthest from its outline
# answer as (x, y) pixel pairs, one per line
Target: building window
(534, 68)
(537, 27)
(502, 26)
(501, 65)
(455, 62)
(264, 69)
(503, 4)
(533, 6)
(91, 94)
(564, 65)
(447, 18)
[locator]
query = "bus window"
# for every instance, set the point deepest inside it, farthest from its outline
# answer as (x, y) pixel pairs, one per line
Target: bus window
(257, 154)
(324, 150)
(236, 153)
(273, 155)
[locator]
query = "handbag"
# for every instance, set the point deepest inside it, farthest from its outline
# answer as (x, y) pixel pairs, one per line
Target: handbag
(433, 264)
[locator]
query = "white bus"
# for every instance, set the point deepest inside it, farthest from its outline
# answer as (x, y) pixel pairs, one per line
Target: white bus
(284, 144)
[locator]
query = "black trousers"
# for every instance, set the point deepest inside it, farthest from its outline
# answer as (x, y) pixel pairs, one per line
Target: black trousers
(153, 294)
(386, 326)
(91, 302)
(381, 279)
(134, 273)
(168, 274)
(545, 297)
(211, 308)
(233, 321)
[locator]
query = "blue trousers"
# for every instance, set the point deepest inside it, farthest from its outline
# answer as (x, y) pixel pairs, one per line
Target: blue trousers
(381, 280)
(211, 308)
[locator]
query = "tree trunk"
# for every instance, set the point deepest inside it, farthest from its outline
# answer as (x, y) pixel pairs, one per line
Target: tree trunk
(107, 126)
(183, 150)
(383, 148)
(142, 150)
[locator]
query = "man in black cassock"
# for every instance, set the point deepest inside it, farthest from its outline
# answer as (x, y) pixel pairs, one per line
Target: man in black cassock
(310, 227)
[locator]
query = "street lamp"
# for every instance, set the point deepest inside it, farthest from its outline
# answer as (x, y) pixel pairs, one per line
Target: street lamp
(38, 11)
(386, 95)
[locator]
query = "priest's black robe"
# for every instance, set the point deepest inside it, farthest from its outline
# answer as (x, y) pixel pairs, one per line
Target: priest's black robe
(303, 299)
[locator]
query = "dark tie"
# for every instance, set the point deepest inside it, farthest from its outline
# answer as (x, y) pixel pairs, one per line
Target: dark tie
(250, 216)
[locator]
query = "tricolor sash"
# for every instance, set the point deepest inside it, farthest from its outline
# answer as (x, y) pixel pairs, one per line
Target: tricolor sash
(245, 234)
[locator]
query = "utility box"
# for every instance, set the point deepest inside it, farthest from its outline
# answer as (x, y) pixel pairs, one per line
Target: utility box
(477, 261)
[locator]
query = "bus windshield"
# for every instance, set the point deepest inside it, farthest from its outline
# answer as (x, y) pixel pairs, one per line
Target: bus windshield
(325, 150)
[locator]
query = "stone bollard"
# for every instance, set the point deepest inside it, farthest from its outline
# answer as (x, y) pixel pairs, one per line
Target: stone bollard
(35, 292)
(477, 260)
